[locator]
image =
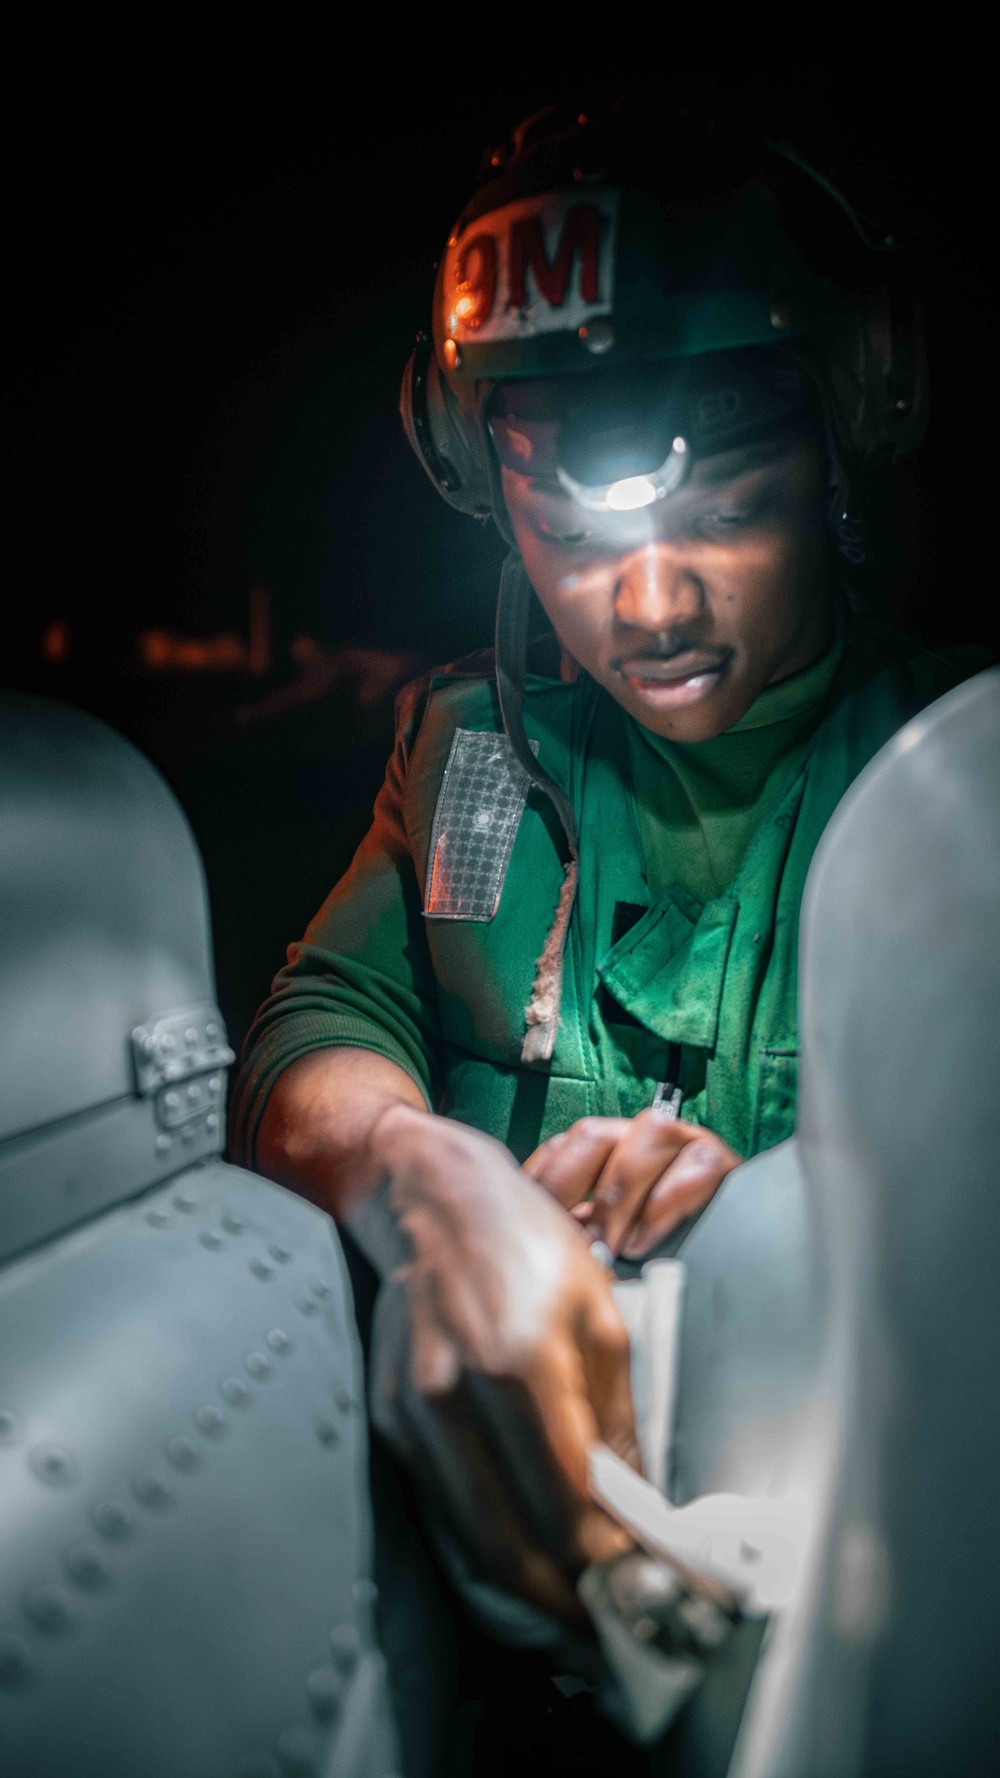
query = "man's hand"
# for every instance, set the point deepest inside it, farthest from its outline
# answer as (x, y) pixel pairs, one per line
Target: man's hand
(518, 1354)
(504, 1297)
(632, 1180)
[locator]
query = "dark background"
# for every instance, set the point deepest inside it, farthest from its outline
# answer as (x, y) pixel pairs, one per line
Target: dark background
(220, 254)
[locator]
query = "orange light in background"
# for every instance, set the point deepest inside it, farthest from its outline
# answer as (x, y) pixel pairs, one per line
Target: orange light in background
(57, 640)
(259, 650)
(167, 651)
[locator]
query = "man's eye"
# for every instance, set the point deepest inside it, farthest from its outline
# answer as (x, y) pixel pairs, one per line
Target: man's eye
(724, 518)
(564, 539)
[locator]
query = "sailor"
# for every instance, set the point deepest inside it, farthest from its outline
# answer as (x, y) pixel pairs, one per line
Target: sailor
(554, 997)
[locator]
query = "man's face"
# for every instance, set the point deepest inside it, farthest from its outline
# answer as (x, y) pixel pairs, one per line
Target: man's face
(685, 610)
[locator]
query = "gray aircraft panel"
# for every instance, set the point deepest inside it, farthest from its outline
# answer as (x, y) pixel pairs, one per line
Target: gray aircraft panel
(201, 1451)
(754, 1314)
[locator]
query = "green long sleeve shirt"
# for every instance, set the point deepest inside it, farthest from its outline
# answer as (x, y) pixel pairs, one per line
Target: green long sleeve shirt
(684, 936)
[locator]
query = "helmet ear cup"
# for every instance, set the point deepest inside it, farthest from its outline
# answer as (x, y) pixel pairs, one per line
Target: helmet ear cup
(447, 443)
(895, 382)
(873, 365)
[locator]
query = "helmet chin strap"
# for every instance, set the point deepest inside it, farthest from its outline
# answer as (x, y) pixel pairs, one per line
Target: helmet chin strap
(513, 605)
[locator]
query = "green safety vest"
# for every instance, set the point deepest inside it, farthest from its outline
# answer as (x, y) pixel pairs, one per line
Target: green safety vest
(649, 973)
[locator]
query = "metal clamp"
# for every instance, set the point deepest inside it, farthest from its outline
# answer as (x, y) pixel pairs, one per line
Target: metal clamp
(175, 1048)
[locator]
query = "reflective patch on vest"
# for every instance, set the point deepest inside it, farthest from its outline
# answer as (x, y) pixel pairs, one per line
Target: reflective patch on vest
(479, 807)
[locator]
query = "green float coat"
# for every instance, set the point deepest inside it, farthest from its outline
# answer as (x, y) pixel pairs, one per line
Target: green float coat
(697, 806)
(704, 848)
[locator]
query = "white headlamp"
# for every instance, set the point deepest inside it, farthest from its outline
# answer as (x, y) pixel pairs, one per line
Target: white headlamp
(632, 491)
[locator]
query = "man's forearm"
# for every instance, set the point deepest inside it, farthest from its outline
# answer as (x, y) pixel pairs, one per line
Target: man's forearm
(316, 1135)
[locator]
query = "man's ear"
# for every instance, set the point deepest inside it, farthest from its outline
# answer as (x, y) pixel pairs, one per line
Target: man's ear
(569, 669)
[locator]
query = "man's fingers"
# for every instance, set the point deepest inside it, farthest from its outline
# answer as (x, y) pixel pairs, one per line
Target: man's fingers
(684, 1189)
(434, 1361)
(559, 1390)
(570, 1164)
(639, 1160)
(461, 1467)
(607, 1368)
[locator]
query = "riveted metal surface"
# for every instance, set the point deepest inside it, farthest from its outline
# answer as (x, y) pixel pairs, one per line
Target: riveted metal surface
(181, 1540)
(172, 1507)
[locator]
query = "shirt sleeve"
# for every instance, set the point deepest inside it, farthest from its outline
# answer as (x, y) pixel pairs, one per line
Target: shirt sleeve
(362, 974)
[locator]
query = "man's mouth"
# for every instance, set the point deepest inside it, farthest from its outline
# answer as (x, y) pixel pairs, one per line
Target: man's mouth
(668, 681)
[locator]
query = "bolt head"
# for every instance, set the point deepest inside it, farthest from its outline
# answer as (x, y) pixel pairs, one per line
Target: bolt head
(324, 1689)
(345, 1644)
(54, 1466)
(597, 336)
(182, 1454)
(151, 1491)
(86, 1567)
(327, 1430)
(209, 1421)
(297, 1752)
(47, 1608)
(17, 1670)
(113, 1521)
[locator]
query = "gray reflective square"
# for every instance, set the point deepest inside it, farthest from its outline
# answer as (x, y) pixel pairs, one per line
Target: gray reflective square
(479, 806)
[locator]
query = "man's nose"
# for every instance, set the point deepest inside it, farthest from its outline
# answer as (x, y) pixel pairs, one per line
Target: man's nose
(657, 589)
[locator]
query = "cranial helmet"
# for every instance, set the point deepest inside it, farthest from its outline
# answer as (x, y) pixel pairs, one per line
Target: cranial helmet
(640, 234)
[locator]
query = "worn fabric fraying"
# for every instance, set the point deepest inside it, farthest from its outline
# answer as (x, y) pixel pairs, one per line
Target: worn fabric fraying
(542, 1014)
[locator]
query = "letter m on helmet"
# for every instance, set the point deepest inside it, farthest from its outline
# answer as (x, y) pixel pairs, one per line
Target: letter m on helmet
(579, 234)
